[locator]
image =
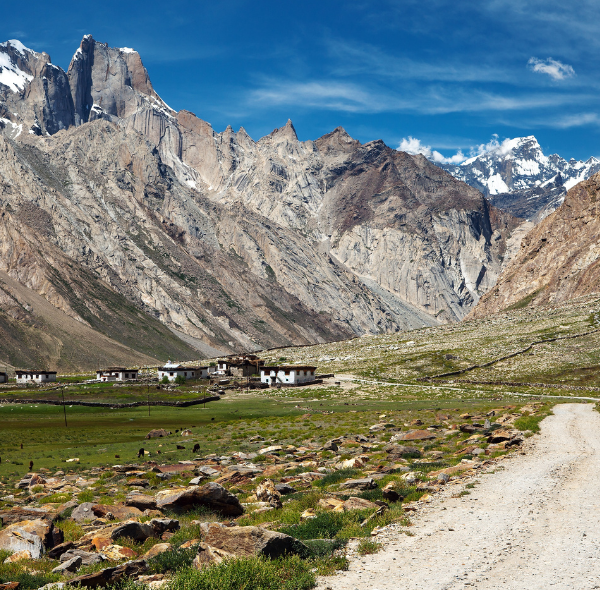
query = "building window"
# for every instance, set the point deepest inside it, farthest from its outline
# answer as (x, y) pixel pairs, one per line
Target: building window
(170, 374)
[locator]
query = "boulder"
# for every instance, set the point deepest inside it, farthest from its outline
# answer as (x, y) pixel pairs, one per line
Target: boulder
(58, 550)
(245, 541)
(208, 555)
(83, 512)
(118, 511)
(389, 492)
(163, 525)
(284, 489)
(140, 501)
(414, 435)
(266, 492)
(71, 565)
(206, 470)
(34, 536)
(10, 585)
(19, 556)
(398, 451)
(332, 504)
(196, 481)
(211, 495)
(133, 529)
(158, 433)
(157, 550)
(468, 428)
(87, 557)
(354, 503)
(20, 513)
(111, 575)
(364, 484)
(117, 552)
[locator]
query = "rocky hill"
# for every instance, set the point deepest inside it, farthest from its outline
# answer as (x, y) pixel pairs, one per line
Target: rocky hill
(516, 176)
(121, 212)
(558, 259)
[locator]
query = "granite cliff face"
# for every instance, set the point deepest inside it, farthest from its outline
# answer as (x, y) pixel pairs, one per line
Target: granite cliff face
(559, 259)
(229, 242)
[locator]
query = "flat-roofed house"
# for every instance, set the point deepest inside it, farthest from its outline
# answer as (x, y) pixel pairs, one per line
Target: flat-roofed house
(36, 376)
(173, 370)
(288, 374)
(241, 365)
(116, 374)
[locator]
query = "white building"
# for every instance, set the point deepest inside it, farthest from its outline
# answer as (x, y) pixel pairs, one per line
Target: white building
(35, 376)
(116, 374)
(173, 370)
(287, 374)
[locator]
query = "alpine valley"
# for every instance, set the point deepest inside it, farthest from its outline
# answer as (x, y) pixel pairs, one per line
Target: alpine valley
(130, 231)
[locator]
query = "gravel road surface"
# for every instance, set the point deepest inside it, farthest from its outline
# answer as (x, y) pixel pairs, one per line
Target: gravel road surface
(532, 524)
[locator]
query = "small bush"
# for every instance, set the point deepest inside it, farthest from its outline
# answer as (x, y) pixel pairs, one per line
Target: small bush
(173, 560)
(253, 573)
(86, 496)
(368, 546)
(180, 380)
(336, 477)
(165, 380)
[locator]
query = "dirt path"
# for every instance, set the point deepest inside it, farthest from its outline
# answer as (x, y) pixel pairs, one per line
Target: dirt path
(533, 525)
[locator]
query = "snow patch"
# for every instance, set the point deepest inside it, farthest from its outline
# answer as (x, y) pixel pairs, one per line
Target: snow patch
(127, 50)
(16, 44)
(496, 185)
(10, 74)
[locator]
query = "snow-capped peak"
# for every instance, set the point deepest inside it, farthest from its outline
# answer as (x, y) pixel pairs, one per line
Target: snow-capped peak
(127, 50)
(10, 73)
(16, 44)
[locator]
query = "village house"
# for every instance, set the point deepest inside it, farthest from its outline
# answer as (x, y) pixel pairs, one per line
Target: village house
(3, 377)
(173, 370)
(240, 365)
(287, 374)
(36, 376)
(116, 374)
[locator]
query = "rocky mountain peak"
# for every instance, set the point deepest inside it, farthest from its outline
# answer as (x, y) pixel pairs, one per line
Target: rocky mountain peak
(285, 133)
(516, 175)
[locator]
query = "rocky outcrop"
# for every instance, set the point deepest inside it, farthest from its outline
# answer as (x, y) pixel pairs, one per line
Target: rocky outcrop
(558, 259)
(208, 242)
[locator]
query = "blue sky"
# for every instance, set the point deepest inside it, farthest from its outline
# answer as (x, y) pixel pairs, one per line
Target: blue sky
(449, 74)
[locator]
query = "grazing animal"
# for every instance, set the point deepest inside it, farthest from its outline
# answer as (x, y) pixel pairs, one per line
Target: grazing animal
(158, 451)
(21, 445)
(196, 448)
(180, 448)
(30, 465)
(140, 453)
(117, 456)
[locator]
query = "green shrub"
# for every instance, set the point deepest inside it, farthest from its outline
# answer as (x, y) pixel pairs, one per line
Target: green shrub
(180, 380)
(86, 496)
(173, 560)
(165, 380)
(336, 477)
(368, 546)
(253, 573)
(326, 525)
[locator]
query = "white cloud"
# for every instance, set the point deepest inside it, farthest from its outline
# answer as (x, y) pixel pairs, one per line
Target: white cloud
(555, 69)
(413, 146)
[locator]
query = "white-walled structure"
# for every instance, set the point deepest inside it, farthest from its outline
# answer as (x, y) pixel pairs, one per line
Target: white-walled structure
(35, 376)
(172, 370)
(116, 374)
(287, 374)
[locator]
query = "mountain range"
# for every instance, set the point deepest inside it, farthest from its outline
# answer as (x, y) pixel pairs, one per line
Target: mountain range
(516, 176)
(130, 232)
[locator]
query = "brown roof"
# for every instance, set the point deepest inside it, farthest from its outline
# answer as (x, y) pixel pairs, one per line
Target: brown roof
(287, 367)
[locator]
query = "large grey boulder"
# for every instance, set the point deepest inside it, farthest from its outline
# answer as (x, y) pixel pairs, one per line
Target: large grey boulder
(132, 529)
(245, 541)
(71, 565)
(212, 495)
(83, 512)
(29, 535)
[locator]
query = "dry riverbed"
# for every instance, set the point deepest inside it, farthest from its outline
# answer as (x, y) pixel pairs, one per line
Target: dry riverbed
(530, 524)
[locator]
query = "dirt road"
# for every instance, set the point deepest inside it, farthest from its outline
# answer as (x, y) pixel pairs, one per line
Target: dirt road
(535, 524)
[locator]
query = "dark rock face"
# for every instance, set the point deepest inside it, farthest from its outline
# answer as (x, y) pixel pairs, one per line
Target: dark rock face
(212, 495)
